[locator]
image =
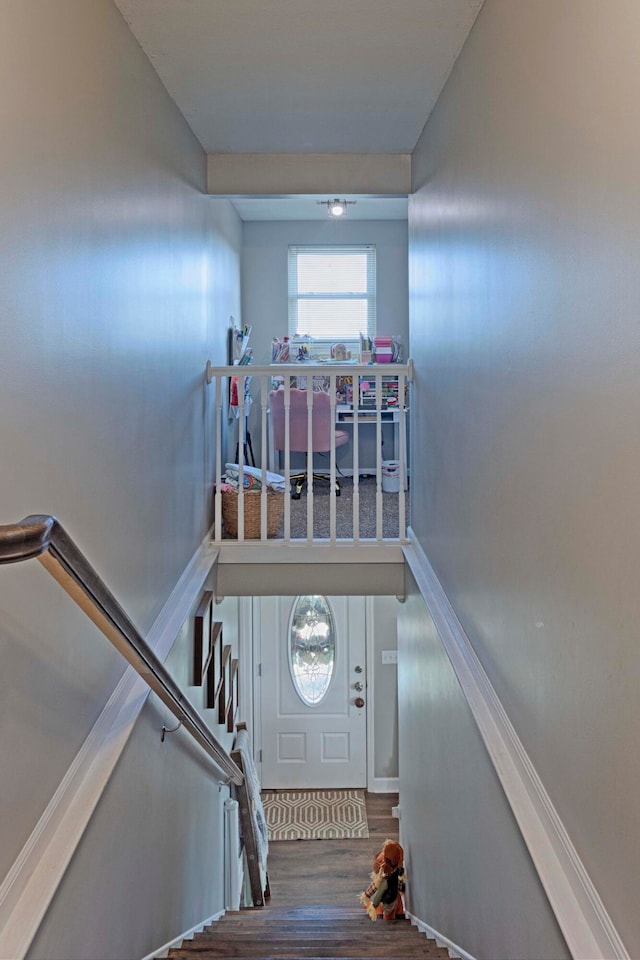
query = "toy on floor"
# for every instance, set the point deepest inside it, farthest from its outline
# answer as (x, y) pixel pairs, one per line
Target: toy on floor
(383, 897)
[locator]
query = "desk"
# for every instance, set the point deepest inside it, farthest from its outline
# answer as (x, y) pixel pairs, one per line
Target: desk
(345, 414)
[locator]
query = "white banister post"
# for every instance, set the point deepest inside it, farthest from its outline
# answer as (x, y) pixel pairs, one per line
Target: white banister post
(332, 459)
(264, 399)
(217, 506)
(379, 456)
(287, 458)
(402, 454)
(240, 388)
(355, 401)
(309, 460)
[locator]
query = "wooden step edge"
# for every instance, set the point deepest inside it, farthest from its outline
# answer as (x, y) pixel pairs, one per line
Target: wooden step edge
(288, 950)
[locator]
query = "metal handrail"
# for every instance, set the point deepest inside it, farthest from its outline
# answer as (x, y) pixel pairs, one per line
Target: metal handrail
(44, 537)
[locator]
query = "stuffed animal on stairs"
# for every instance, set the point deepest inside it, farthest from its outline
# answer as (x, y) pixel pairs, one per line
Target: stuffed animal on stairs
(383, 896)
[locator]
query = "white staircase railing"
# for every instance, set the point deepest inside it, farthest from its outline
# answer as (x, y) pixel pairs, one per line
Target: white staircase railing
(369, 402)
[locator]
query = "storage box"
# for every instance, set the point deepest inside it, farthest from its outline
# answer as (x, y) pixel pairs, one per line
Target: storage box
(384, 354)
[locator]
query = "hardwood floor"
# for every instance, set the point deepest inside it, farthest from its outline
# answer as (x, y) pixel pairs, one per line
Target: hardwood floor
(330, 872)
(314, 910)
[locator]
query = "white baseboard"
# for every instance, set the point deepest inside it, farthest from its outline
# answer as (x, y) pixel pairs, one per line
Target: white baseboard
(29, 887)
(455, 952)
(384, 785)
(581, 914)
(176, 942)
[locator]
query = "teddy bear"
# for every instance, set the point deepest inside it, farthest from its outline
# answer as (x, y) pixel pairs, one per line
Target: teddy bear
(383, 897)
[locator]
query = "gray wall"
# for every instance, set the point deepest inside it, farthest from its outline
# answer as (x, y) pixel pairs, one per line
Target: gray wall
(117, 277)
(264, 272)
(469, 873)
(151, 864)
(524, 286)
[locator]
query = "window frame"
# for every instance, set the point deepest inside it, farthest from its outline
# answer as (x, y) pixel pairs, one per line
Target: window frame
(330, 619)
(322, 344)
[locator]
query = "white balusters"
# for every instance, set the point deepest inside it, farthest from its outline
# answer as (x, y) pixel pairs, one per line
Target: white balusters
(287, 459)
(309, 461)
(379, 416)
(332, 460)
(264, 395)
(217, 505)
(402, 455)
(379, 500)
(356, 458)
(240, 385)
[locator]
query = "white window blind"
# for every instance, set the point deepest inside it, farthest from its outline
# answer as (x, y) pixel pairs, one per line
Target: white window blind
(332, 293)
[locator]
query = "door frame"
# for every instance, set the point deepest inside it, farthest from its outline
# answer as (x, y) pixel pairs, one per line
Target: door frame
(251, 706)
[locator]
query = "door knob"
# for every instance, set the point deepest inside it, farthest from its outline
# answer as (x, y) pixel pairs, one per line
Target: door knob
(359, 702)
(358, 686)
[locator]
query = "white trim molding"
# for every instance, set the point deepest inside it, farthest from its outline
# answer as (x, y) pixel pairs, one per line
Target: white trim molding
(374, 784)
(455, 952)
(31, 883)
(384, 785)
(581, 914)
(369, 628)
(178, 941)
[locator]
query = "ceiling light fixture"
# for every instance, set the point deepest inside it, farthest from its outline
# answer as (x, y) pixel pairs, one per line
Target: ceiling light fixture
(336, 208)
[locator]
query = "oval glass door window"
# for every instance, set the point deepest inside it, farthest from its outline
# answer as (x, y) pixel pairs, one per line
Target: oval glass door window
(312, 648)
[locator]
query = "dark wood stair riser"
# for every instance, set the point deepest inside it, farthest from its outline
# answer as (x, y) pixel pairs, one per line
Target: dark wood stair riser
(315, 930)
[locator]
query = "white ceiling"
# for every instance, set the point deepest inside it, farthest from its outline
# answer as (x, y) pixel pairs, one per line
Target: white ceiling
(309, 208)
(303, 76)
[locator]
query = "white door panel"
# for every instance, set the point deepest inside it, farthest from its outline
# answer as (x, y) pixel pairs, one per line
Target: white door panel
(321, 745)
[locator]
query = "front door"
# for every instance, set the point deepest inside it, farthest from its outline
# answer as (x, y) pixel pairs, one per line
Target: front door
(313, 690)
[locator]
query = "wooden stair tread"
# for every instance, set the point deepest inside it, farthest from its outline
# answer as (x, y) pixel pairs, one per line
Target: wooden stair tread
(299, 934)
(309, 931)
(306, 932)
(293, 952)
(297, 925)
(289, 950)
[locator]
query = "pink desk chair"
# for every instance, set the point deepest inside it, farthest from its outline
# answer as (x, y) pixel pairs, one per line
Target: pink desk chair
(321, 430)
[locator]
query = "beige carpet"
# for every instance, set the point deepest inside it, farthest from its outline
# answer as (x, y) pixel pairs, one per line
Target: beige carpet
(344, 512)
(315, 814)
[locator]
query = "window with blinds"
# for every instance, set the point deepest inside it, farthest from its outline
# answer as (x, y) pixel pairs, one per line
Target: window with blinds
(332, 294)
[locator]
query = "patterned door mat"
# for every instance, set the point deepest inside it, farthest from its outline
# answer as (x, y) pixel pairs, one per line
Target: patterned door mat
(315, 814)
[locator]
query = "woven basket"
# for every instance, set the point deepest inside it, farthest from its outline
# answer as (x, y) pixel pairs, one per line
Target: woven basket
(252, 510)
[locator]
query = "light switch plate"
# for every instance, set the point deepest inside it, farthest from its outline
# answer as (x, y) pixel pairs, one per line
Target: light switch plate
(389, 656)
